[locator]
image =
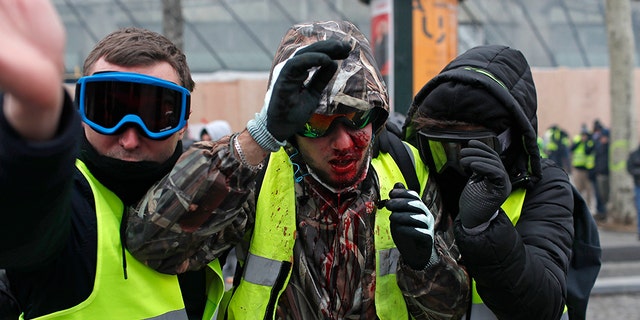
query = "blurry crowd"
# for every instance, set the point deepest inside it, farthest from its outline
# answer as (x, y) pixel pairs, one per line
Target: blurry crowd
(585, 156)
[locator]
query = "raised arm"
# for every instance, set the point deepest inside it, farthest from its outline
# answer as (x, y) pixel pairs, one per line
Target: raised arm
(31, 67)
(39, 132)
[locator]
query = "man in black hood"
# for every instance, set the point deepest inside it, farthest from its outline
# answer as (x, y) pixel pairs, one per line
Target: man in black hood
(475, 125)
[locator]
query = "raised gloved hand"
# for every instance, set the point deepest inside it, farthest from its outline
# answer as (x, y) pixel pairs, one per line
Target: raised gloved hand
(488, 187)
(412, 226)
(290, 101)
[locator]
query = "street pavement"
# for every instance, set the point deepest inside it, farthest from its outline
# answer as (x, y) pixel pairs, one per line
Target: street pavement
(616, 293)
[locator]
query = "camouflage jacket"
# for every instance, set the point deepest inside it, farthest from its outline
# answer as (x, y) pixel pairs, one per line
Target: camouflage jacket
(207, 205)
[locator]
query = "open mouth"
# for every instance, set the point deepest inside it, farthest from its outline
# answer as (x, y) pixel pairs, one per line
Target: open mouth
(343, 165)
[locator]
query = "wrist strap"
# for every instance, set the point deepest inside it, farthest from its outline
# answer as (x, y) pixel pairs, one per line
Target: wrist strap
(434, 259)
(257, 128)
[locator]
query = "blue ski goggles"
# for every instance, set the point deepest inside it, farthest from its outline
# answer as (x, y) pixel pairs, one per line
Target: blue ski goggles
(110, 101)
(440, 149)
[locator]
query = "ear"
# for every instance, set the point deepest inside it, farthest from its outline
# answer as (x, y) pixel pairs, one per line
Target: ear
(182, 131)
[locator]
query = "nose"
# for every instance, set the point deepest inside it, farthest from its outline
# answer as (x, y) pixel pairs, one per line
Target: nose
(341, 137)
(129, 139)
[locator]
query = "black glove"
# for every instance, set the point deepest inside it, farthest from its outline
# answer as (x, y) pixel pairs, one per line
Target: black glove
(290, 101)
(488, 187)
(412, 227)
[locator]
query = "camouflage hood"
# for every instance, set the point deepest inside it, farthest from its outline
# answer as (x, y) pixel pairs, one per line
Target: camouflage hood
(356, 85)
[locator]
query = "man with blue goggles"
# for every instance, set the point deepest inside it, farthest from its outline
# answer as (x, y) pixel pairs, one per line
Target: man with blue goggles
(65, 184)
(110, 102)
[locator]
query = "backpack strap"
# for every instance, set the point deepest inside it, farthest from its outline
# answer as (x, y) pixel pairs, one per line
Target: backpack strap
(586, 258)
(400, 152)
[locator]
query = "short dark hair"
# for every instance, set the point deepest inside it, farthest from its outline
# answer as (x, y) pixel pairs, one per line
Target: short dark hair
(132, 46)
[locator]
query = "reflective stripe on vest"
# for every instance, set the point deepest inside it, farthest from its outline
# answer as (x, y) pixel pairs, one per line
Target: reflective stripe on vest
(145, 294)
(513, 208)
(269, 263)
(271, 248)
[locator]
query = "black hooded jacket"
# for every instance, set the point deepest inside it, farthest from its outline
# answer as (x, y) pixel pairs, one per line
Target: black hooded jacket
(521, 270)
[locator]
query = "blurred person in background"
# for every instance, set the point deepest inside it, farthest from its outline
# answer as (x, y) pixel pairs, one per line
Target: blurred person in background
(583, 161)
(204, 135)
(633, 167)
(556, 146)
(601, 171)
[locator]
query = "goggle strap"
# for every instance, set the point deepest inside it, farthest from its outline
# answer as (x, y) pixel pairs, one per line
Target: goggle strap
(505, 139)
(187, 111)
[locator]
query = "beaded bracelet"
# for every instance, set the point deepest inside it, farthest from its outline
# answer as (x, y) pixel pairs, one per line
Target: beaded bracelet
(243, 159)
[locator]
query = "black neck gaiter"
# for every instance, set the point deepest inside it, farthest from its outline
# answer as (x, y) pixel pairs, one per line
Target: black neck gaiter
(128, 180)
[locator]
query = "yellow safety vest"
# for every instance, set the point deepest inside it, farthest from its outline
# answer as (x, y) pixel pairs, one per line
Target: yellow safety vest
(145, 294)
(268, 266)
(541, 147)
(580, 157)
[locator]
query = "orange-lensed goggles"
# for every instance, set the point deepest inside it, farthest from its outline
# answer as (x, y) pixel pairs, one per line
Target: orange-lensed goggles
(319, 124)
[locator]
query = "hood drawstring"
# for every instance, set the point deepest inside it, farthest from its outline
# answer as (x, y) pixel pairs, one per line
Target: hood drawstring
(298, 175)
